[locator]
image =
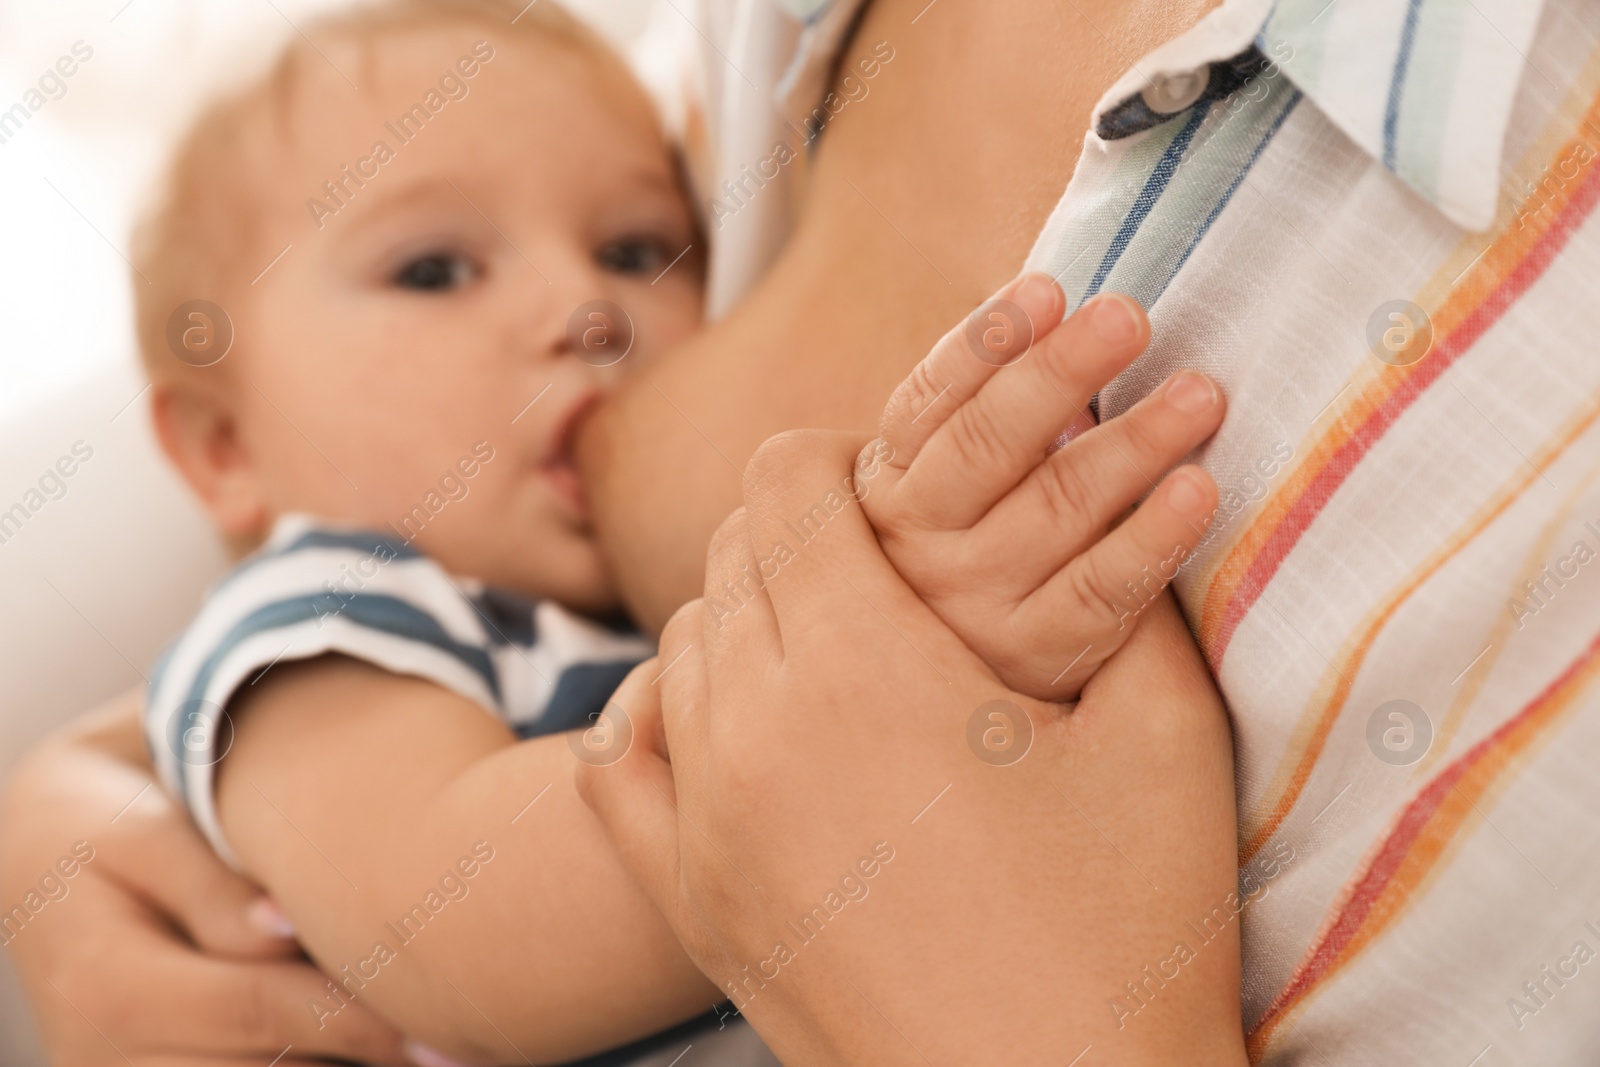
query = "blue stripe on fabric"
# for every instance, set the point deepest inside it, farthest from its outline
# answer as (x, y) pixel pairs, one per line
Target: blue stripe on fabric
(158, 674)
(1233, 187)
(509, 615)
(1154, 186)
(581, 693)
(1397, 83)
(386, 614)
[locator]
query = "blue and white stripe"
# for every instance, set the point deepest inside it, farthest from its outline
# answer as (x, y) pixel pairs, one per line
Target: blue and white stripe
(1423, 86)
(314, 589)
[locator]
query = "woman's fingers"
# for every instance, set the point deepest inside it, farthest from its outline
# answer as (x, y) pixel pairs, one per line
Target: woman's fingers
(161, 858)
(1071, 499)
(121, 976)
(989, 444)
(634, 796)
(1108, 587)
(264, 1008)
(735, 589)
(799, 486)
(996, 335)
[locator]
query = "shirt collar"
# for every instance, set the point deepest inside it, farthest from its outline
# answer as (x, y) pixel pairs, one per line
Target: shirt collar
(1425, 87)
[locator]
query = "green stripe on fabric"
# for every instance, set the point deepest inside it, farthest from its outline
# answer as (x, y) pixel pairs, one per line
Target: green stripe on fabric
(1098, 217)
(806, 10)
(1221, 153)
(1295, 36)
(1430, 87)
(1149, 196)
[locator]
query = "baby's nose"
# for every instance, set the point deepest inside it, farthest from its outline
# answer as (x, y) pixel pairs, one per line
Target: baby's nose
(571, 310)
(599, 332)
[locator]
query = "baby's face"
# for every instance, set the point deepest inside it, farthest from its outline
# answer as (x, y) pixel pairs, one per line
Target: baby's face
(427, 322)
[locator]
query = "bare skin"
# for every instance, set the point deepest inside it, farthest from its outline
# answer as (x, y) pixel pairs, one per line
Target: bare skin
(858, 296)
(156, 912)
(972, 85)
(768, 730)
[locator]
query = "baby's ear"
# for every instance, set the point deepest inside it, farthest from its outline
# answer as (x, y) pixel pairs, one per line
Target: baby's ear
(199, 433)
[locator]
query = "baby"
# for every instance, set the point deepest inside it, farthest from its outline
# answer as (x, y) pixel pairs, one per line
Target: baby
(385, 283)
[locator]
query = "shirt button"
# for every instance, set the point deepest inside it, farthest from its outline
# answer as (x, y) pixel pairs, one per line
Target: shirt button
(1168, 94)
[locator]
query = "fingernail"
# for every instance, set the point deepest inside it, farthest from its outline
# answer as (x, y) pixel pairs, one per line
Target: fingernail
(265, 915)
(1191, 392)
(423, 1056)
(1186, 494)
(1114, 320)
(1036, 295)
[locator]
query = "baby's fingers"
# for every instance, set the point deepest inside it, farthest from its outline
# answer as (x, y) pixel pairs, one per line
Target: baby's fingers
(1070, 500)
(993, 441)
(996, 335)
(1110, 585)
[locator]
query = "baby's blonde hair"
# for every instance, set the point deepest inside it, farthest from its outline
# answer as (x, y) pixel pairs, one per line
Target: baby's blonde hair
(198, 240)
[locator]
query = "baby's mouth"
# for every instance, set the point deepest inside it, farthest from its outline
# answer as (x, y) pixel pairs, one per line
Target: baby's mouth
(559, 468)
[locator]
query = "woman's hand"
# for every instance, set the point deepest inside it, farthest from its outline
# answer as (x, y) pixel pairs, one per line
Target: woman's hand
(150, 951)
(842, 850)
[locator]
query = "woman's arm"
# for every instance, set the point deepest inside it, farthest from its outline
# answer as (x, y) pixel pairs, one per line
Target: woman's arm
(150, 948)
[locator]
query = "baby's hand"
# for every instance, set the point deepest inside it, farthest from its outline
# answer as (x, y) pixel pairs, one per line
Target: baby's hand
(1017, 548)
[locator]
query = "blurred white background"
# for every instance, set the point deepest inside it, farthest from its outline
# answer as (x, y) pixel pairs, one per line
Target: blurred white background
(95, 582)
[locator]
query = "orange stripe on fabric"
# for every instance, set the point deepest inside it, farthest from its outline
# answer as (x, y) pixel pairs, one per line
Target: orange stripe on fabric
(1478, 673)
(1239, 580)
(1316, 722)
(1426, 831)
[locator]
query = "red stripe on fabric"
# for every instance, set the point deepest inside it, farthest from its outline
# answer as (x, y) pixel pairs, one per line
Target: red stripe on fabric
(1396, 847)
(1488, 312)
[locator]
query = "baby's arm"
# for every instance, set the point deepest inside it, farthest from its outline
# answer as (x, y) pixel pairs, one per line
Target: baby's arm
(1025, 553)
(352, 794)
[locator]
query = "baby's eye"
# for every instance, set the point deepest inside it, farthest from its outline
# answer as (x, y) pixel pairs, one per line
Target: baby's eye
(435, 272)
(634, 255)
